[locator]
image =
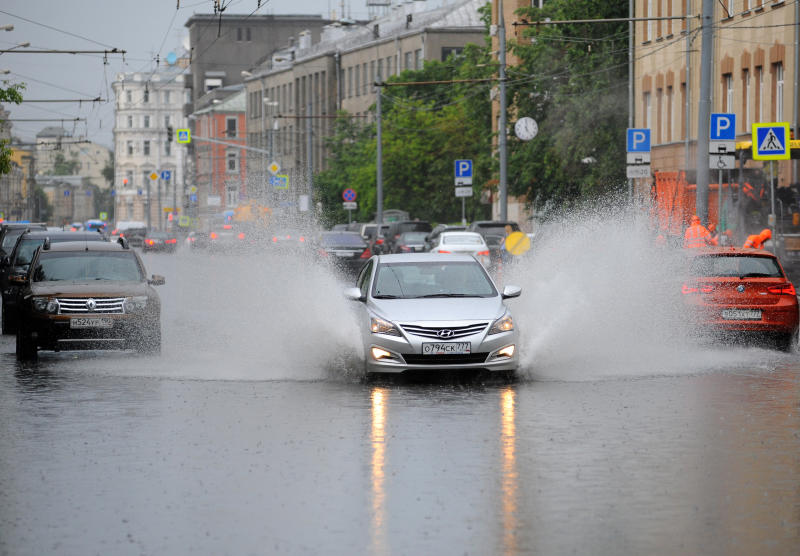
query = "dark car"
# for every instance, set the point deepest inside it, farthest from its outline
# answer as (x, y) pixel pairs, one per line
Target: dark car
(88, 295)
(346, 251)
(410, 242)
(398, 228)
(288, 239)
(376, 240)
(198, 240)
(494, 233)
(163, 242)
(10, 231)
(20, 259)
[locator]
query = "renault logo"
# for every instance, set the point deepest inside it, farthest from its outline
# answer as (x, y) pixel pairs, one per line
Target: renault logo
(740, 288)
(445, 333)
(91, 305)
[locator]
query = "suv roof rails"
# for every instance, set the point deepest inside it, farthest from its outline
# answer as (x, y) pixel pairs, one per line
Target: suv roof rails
(124, 242)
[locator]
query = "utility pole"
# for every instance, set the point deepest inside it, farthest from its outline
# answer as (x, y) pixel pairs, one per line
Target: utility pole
(631, 104)
(379, 163)
(796, 93)
(704, 112)
(310, 153)
(688, 121)
(501, 124)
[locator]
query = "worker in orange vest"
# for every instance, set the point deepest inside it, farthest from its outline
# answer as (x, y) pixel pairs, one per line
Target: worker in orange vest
(713, 234)
(756, 241)
(696, 235)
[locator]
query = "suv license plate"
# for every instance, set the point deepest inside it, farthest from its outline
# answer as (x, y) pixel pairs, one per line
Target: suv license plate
(447, 348)
(741, 314)
(91, 322)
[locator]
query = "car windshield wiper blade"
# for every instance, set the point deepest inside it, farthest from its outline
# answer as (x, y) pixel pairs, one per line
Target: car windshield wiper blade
(386, 296)
(446, 295)
(755, 275)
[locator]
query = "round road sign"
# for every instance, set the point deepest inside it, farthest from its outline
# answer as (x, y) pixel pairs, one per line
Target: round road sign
(517, 243)
(349, 195)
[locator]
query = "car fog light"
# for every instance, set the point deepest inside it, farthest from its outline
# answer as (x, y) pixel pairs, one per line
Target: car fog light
(507, 351)
(379, 353)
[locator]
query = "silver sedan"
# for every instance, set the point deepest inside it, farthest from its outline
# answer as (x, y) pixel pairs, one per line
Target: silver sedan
(432, 311)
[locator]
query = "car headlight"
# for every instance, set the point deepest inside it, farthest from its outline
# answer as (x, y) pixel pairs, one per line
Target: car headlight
(379, 326)
(503, 324)
(135, 304)
(45, 305)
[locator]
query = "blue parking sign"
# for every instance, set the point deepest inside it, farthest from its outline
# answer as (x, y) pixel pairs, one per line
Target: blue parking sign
(463, 172)
(723, 127)
(638, 140)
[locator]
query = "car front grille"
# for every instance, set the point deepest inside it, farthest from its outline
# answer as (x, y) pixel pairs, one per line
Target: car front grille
(417, 359)
(437, 332)
(80, 306)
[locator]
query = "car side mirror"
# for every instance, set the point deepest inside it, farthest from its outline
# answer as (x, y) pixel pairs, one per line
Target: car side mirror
(157, 280)
(19, 279)
(354, 294)
(511, 291)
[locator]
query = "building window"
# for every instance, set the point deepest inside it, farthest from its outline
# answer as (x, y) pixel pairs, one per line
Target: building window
(659, 111)
(418, 59)
(364, 77)
(247, 34)
(408, 61)
(128, 96)
(168, 148)
(670, 99)
(129, 177)
(648, 114)
(451, 50)
(231, 195)
(130, 148)
(166, 120)
(232, 161)
(130, 121)
(371, 76)
(648, 35)
(683, 110)
(230, 127)
(759, 93)
(779, 92)
(212, 83)
(239, 34)
(748, 116)
(166, 97)
(349, 82)
(146, 97)
(358, 81)
(727, 93)
(380, 69)
(146, 148)
(147, 121)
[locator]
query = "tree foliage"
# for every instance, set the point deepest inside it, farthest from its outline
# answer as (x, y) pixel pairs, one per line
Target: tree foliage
(572, 80)
(9, 92)
(64, 167)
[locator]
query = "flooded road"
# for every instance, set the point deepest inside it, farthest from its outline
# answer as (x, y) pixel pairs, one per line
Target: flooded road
(253, 434)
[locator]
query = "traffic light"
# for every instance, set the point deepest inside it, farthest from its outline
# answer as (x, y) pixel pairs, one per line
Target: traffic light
(169, 133)
(124, 181)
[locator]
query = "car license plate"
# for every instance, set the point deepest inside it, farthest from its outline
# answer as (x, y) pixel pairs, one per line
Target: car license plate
(91, 322)
(741, 314)
(446, 348)
(344, 253)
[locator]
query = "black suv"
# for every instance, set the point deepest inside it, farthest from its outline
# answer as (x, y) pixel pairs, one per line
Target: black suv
(87, 295)
(10, 231)
(20, 259)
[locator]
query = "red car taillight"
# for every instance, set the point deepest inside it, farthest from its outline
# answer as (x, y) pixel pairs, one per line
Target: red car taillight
(379, 242)
(443, 251)
(782, 289)
(227, 227)
(302, 239)
(366, 254)
(274, 239)
(213, 235)
(486, 253)
(150, 242)
(241, 235)
(172, 241)
(192, 239)
(405, 248)
(687, 289)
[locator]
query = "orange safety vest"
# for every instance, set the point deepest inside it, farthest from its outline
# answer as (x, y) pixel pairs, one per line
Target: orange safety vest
(754, 241)
(695, 236)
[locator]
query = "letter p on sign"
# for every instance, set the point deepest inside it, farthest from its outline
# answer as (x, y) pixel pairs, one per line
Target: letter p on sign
(638, 140)
(723, 127)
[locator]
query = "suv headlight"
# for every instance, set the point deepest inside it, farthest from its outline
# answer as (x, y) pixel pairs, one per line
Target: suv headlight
(135, 304)
(503, 324)
(45, 305)
(379, 326)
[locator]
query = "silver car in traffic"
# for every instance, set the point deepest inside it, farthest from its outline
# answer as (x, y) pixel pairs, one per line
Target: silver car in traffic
(433, 311)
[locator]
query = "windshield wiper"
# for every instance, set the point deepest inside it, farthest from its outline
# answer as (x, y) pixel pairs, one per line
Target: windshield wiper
(386, 296)
(754, 275)
(446, 295)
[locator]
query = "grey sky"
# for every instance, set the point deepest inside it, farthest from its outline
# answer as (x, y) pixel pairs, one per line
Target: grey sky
(143, 28)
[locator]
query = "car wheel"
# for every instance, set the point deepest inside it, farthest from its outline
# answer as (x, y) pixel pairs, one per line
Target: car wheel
(150, 342)
(785, 342)
(26, 346)
(9, 321)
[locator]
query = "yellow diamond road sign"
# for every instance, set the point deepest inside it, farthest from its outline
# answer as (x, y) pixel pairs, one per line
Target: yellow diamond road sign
(274, 167)
(517, 243)
(153, 176)
(771, 141)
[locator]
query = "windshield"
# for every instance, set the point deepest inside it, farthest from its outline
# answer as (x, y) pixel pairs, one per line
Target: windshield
(728, 266)
(413, 237)
(462, 239)
(413, 227)
(432, 279)
(343, 239)
(11, 238)
(87, 265)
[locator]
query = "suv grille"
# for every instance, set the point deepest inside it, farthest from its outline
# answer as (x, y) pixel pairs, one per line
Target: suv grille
(436, 331)
(104, 305)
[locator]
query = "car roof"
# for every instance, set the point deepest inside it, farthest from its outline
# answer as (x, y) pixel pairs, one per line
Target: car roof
(87, 246)
(43, 234)
(425, 258)
(461, 233)
(736, 251)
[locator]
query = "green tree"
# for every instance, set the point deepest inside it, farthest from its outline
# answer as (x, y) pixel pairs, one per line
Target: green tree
(108, 169)
(9, 92)
(64, 167)
(572, 80)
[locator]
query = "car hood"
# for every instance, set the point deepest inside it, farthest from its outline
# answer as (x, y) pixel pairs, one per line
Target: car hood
(97, 288)
(439, 309)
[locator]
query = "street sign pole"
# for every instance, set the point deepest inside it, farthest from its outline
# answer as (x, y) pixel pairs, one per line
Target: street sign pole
(463, 211)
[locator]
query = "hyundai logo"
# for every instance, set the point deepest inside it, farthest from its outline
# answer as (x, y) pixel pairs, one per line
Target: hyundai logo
(740, 288)
(445, 333)
(91, 305)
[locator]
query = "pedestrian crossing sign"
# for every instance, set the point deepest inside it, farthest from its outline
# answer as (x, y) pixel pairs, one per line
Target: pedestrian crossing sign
(771, 141)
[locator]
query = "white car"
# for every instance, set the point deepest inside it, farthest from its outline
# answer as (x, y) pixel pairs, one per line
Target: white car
(463, 243)
(434, 312)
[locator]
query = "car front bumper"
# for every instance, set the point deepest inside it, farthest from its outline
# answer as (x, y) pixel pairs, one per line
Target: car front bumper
(127, 332)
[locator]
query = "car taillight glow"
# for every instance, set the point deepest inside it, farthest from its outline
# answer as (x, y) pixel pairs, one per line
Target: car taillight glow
(443, 251)
(687, 289)
(227, 227)
(192, 239)
(379, 242)
(150, 242)
(486, 253)
(172, 241)
(405, 248)
(782, 289)
(302, 239)
(707, 288)
(366, 254)
(241, 235)
(213, 235)
(274, 239)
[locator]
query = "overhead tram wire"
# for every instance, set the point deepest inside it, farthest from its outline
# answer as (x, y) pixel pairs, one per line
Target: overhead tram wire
(56, 29)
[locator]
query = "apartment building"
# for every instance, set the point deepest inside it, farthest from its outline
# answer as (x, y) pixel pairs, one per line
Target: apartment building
(86, 157)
